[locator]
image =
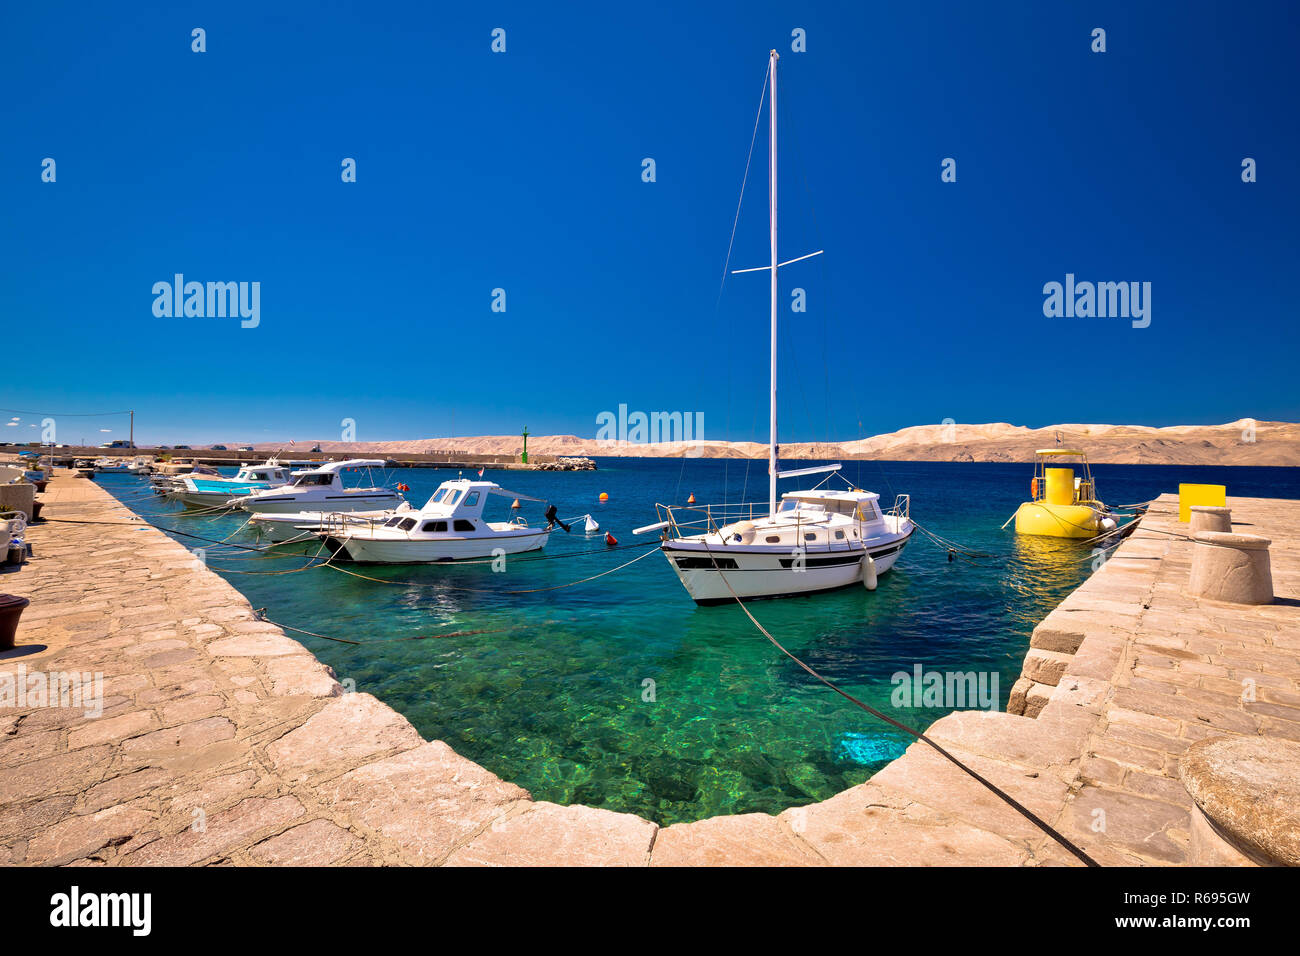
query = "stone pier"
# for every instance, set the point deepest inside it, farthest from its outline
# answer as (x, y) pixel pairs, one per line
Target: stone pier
(222, 740)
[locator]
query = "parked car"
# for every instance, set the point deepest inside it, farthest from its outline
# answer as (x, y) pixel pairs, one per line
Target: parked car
(245, 448)
(183, 448)
(314, 449)
(219, 448)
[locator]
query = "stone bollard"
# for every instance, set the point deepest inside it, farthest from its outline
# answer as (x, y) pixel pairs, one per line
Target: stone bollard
(1233, 568)
(1210, 518)
(1245, 801)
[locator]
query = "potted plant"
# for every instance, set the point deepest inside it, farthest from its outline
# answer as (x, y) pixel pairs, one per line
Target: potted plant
(11, 609)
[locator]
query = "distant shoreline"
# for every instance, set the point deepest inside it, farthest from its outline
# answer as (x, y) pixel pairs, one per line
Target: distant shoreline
(1244, 442)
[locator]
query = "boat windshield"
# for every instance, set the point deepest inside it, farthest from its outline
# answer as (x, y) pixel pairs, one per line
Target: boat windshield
(309, 481)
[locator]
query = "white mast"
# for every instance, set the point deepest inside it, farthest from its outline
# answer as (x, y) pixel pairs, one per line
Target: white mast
(772, 444)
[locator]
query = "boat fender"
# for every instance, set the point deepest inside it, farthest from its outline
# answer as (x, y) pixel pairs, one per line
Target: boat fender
(610, 539)
(1033, 488)
(868, 572)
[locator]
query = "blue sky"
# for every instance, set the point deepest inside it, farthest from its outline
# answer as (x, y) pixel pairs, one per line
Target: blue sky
(522, 171)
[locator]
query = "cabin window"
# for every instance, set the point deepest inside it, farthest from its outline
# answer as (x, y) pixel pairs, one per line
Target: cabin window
(452, 498)
(471, 499)
(463, 525)
(789, 504)
(809, 536)
(839, 535)
(392, 522)
(435, 526)
(308, 481)
(407, 524)
(438, 496)
(773, 539)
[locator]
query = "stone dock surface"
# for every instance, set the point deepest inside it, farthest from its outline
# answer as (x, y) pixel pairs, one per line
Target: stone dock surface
(222, 740)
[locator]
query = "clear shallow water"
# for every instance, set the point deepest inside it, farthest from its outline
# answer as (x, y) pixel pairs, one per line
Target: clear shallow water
(549, 689)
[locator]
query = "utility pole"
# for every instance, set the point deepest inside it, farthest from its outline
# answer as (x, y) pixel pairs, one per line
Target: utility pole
(132, 439)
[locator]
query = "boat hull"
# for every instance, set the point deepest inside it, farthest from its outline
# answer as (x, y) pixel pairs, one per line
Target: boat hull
(303, 526)
(202, 499)
(343, 502)
(363, 550)
(720, 575)
(1058, 521)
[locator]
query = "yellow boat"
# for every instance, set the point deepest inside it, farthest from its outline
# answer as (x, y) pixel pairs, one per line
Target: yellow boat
(1063, 505)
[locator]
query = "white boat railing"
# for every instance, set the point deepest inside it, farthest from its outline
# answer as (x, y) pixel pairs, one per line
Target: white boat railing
(902, 507)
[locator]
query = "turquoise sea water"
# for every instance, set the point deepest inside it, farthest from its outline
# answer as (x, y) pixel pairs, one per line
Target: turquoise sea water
(621, 693)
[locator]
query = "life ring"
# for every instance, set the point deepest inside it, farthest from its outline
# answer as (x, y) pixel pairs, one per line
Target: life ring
(1033, 489)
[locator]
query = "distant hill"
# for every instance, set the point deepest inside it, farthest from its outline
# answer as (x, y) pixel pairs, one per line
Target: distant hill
(1275, 443)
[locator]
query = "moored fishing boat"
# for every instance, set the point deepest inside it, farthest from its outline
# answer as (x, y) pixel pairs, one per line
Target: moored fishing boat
(450, 527)
(321, 489)
(205, 491)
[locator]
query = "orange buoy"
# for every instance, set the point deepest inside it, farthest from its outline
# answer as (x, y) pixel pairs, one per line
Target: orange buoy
(610, 539)
(690, 500)
(516, 504)
(604, 497)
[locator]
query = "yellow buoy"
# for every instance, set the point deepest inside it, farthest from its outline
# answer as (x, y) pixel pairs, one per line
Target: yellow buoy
(516, 504)
(690, 500)
(604, 497)
(1062, 505)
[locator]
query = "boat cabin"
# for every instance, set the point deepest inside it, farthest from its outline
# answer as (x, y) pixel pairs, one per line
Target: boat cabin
(268, 473)
(329, 475)
(456, 507)
(857, 505)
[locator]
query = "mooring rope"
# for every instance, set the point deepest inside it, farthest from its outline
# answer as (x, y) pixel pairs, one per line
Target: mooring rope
(992, 787)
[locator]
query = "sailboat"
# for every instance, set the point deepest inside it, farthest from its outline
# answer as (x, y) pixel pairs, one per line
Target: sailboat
(813, 540)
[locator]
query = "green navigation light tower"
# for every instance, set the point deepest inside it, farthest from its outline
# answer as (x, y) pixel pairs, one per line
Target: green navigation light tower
(524, 457)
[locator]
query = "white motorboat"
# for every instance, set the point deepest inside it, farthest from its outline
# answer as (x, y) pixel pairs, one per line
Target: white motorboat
(110, 466)
(450, 527)
(141, 465)
(206, 491)
(321, 489)
(816, 540)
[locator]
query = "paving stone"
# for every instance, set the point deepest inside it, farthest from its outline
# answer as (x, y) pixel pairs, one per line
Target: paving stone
(428, 800)
(318, 843)
(550, 835)
(222, 832)
(347, 729)
(747, 839)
